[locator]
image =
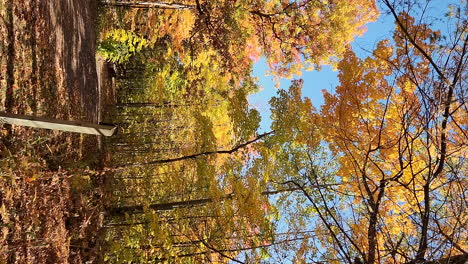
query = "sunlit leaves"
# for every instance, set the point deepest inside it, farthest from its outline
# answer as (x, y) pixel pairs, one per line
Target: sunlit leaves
(119, 45)
(293, 117)
(291, 34)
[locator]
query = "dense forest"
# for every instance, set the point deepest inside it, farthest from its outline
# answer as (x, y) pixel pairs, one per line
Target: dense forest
(377, 174)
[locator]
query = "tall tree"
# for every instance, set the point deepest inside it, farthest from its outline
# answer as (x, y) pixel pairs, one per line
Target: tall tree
(396, 126)
(291, 34)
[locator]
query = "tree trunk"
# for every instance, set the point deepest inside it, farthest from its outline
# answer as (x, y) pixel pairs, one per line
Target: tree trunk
(425, 224)
(55, 124)
(137, 209)
(148, 4)
(194, 156)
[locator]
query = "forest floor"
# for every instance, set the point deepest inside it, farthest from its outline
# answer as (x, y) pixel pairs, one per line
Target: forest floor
(50, 182)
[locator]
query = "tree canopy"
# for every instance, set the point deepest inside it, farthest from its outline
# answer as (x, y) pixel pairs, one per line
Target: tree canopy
(374, 176)
(290, 34)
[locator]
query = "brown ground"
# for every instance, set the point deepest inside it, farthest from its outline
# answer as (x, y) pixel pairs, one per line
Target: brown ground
(53, 57)
(49, 180)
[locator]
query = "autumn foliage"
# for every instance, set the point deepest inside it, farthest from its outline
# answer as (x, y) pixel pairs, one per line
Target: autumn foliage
(374, 175)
